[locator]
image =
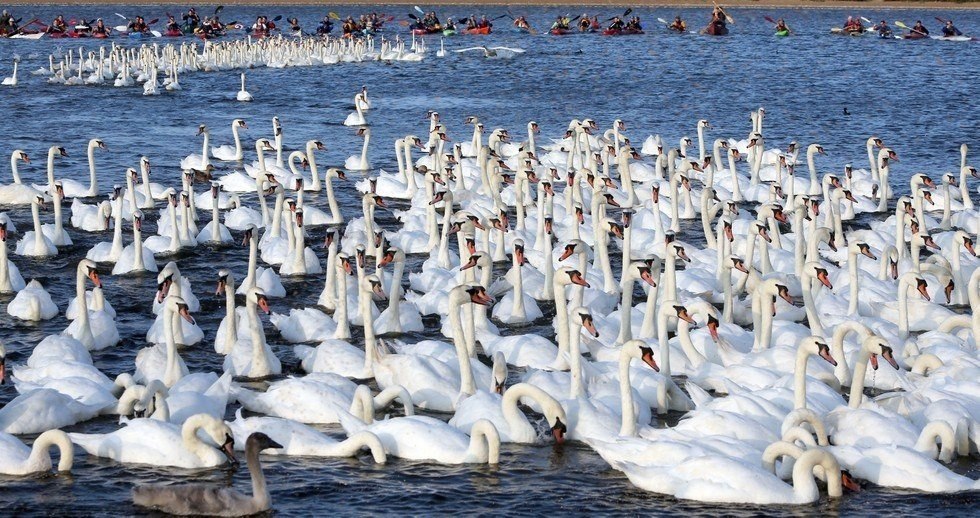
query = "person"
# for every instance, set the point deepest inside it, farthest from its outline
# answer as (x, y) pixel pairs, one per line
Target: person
(595, 24)
(471, 22)
(718, 21)
(853, 25)
(781, 25)
(349, 27)
(584, 23)
(616, 25)
(919, 28)
(294, 25)
(191, 18)
(521, 23)
(678, 24)
(216, 26)
(450, 25)
(561, 23)
(484, 22)
(172, 25)
(326, 25)
(634, 24)
(58, 25)
(100, 28)
(137, 26)
(950, 30)
(270, 25)
(7, 24)
(883, 30)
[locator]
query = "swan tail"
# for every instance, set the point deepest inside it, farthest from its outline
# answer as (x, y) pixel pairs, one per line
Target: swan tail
(699, 396)
(350, 423)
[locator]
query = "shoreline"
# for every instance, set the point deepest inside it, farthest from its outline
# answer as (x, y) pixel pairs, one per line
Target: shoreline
(735, 5)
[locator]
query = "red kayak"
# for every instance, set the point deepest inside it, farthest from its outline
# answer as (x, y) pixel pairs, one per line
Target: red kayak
(173, 33)
(915, 36)
(621, 32)
(560, 32)
(427, 30)
(58, 34)
(100, 35)
(477, 30)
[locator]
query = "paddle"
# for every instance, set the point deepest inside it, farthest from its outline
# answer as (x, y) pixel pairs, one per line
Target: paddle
(419, 9)
(20, 29)
(499, 17)
(865, 20)
(123, 16)
(769, 19)
(218, 9)
(333, 16)
(941, 20)
(625, 14)
(728, 18)
(906, 27)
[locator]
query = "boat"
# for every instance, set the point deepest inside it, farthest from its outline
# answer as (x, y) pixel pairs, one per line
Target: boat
(100, 35)
(841, 32)
(560, 32)
(782, 33)
(173, 33)
(437, 29)
(477, 31)
(449, 32)
(621, 32)
(137, 35)
(27, 35)
(916, 36)
(954, 38)
(715, 29)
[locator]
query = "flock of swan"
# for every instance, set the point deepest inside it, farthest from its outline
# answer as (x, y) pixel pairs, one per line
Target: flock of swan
(711, 279)
(158, 68)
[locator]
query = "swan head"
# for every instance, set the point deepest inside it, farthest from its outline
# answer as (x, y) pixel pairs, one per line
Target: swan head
(815, 149)
(3, 363)
(240, 123)
(22, 156)
(638, 349)
(178, 305)
(258, 296)
(202, 129)
(391, 254)
(59, 190)
(877, 345)
(57, 151)
(817, 346)
(137, 220)
(248, 235)
(477, 294)
(372, 284)
(259, 441)
(678, 252)
(88, 268)
(165, 279)
(224, 276)
(582, 317)
(97, 143)
(131, 175)
(343, 262)
(875, 142)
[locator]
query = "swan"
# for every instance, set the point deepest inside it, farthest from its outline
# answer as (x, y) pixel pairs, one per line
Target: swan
(95, 329)
(253, 357)
(12, 80)
(303, 440)
(56, 231)
(214, 232)
(35, 243)
(425, 438)
(17, 193)
(165, 365)
(243, 95)
(43, 409)
(360, 163)
(301, 260)
(33, 303)
(18, 459)
(264, 278)
(73, 188)
(202, 161)
(10, 278)
(319, 398)
(356, 118)
(135, 257)
(229, 153)
(396, 319)
(176, 446)
(200, 499)
(92, 218)
(510, 422)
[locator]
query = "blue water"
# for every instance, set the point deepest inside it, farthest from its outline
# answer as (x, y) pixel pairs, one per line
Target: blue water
(916, 95)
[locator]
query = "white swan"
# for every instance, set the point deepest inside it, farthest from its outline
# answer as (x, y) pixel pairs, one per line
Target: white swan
(302, 440)
(17, 193)
(229, 153)
(243, 95)
(510, 422)
(35, 243)
(18, 459)
(33, 303)
(360, 163)
(177, 446)
(135, 257)
(253, 357)
(429, 439)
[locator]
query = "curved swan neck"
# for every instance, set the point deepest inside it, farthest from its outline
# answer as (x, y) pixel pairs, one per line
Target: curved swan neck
(53, 438)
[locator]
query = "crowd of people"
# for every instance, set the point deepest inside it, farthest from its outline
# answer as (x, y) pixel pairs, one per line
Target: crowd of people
(211, 26)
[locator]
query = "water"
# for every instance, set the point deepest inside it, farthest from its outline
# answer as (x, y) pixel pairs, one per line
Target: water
(917, 96)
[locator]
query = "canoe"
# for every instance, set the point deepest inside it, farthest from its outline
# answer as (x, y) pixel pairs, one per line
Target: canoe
(782, 33)
(428, 30)
(477, 31)
(27, 36)
(621, 32)
(560, 32)
(715, 29)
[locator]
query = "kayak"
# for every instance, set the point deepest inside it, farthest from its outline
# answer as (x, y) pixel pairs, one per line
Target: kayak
(842, 32)
(57, 35)
(137, 35)
(100, 35)
(715, 29)
(954, 38)
(782, 33)
(27, 36)
(560, 32)
(427, 30)
(621, 32)
(449, 32)
(916, 36)
(477, 30)
(173, 33)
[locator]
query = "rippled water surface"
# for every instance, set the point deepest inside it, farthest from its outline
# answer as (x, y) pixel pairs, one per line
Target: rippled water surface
(919, 96)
